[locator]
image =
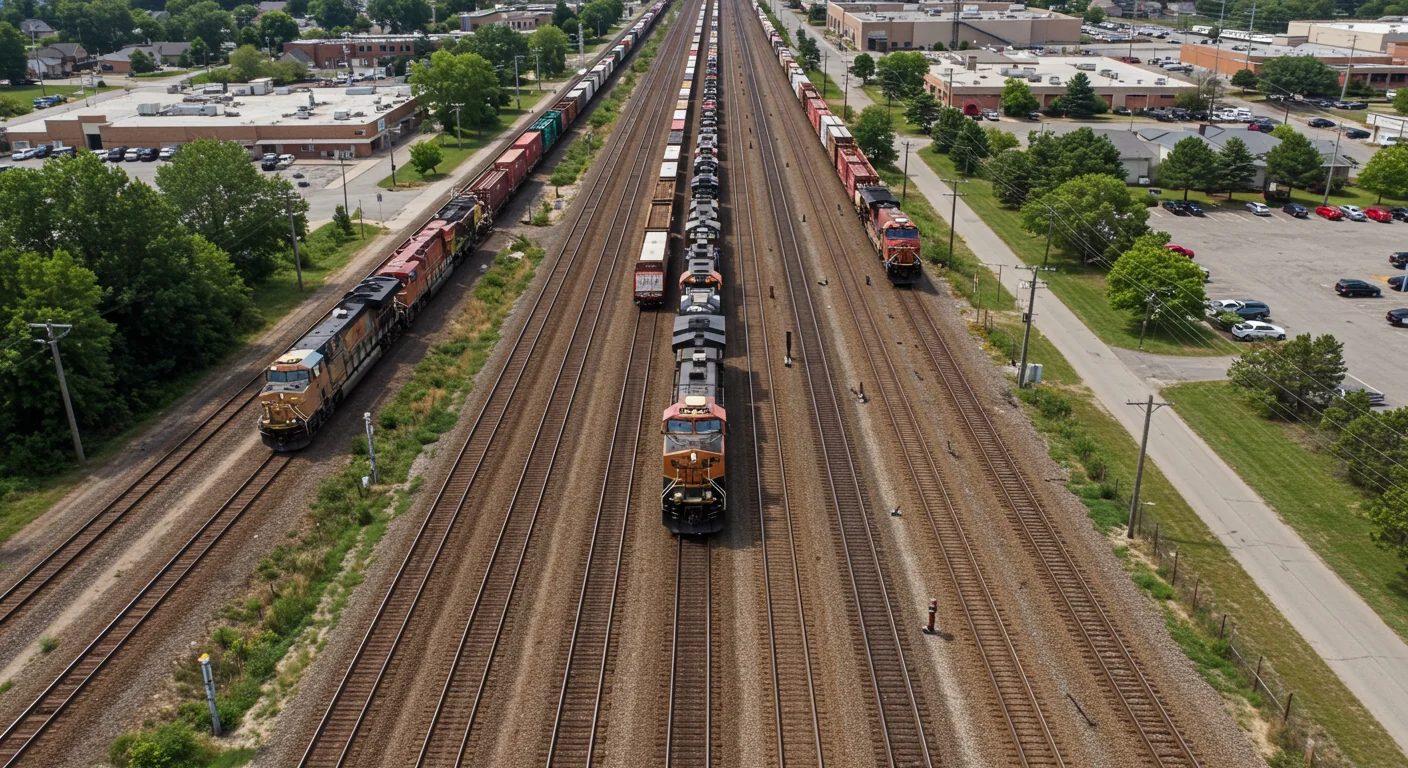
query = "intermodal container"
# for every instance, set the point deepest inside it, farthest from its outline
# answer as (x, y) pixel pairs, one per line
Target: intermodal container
(677, 125)
(531, 142)
(549, 128)
(514, 162)
(676, 137)
(567, 112)
(815, 108)
(494, 188)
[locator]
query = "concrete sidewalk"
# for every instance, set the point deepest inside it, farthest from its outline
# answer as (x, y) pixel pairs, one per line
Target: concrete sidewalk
(1368, 656)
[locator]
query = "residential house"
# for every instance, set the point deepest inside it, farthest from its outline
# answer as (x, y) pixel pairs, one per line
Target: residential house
(1162, 141)
(70, 55)
(1138, 157)
(120, 62)
(35, 28)
(45, 67)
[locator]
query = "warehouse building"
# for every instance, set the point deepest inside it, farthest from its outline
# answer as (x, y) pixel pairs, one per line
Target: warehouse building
(1363, 36)
(975, 81)
(521, 20)
(364, 50)
(884, 27)
(1229, 57)
(303, 122)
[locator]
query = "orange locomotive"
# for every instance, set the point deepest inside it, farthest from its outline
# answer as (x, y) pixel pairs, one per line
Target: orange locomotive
(695, 494)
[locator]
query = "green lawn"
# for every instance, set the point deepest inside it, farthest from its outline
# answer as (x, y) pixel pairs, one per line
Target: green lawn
(1304, 488)
(898, 122)
(322, 255)
(173, 72)
(455, 151)
(1347, 196)
(1081, 286)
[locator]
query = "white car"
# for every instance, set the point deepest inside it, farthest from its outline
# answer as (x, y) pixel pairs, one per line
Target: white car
(166, 153)
(133, 155)
(991, 114)
(285, 161)
(1353, 213)
(1259, 209)
(1252, 330)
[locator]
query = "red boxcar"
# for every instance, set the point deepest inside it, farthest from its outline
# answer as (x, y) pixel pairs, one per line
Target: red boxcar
(839, 143)
(809, 92)
(493, 188)
(677, 125)
(531, 142)
(515, 163)
(815, 109)
(568, 108)
(853, 169)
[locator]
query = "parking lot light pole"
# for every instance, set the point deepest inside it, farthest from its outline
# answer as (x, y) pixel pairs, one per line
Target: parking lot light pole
(1330, 174)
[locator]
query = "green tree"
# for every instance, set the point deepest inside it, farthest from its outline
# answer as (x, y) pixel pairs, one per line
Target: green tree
(173, 745)
(922, 110)
(1388, 515)
(999, 140)
(1297, 76)
(332, 13)
(1386, 173)
(1294, 162)
(561, 13)
(874, 136)
(901, 74)
(970, 146)
(1080, 100)
(41, 289)
(1057, 159)
(808, 50)
(105, 25)
(400, 16)
(199, 51)
(1371, 443)
(1293, 378)
(464, 78)
(1098, 217)
(425, 156)
(1400, 101)
(244, 14)
(141, 62)
(1244, 79)
(548, 45)
(498, 44)
(222, 196)
(1010, 174)
(1236, 167)
(951, 121)
(209, 22)
(595, 18)
(363, 25)
(863, 66)
(151, 28)
(343, 220)
(296, 8)
(1094, 14)
(817, 13)
(278, 27)
(248, 63)
(1017, 98)
(1191, 165)
(1149, 278)
(13, 61)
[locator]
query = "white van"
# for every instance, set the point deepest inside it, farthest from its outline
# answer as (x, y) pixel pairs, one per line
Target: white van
(1390, 141)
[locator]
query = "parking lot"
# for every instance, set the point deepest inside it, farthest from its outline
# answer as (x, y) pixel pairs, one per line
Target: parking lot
(1292, 265)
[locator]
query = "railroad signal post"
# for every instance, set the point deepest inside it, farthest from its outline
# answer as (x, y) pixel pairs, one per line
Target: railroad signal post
(53, 342)
(210, 693)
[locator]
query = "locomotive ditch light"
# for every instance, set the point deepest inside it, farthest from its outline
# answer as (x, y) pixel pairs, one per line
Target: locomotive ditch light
(679, 497)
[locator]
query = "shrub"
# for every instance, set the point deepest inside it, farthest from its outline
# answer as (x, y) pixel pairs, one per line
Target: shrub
(48, 644)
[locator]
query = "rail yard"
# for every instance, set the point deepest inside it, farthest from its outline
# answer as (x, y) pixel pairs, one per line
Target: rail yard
(732, 300)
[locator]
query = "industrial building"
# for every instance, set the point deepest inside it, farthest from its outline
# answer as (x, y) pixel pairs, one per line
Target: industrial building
(884, 27)
(977, 79)
(303, 122)
(364, 50)
(1363, 36)
(523, 20)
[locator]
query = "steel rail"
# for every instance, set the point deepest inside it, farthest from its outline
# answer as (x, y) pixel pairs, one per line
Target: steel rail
(1109, 653)
(435, 530)
(788, 644)
(61, 693)
(455, 694)
(689, 719)
(898, 706)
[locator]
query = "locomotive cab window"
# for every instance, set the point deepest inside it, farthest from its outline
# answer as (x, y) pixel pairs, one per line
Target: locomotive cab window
(288, 376)
(903, 233)
(678, 426)
(708, 426)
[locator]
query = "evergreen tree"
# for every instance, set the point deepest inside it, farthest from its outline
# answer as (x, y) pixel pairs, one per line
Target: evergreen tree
(1010, 174)
(1191, 165)
(1080, 100)
(1236, 167)
(1294, 162)
(1057, 159)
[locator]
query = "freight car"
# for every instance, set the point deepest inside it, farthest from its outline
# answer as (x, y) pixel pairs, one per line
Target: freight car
(305, 384)
(894, 237)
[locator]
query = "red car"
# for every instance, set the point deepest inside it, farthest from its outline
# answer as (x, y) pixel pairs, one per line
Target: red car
(1378, 214)
(1180, 250)
(1329, 212)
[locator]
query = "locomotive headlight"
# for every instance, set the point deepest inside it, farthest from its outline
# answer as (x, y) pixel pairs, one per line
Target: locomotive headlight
(679, 497)
(693, 457)
(708, 495)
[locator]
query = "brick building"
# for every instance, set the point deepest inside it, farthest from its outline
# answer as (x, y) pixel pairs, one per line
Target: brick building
(976, 80)
(884, 27)
(365, 50)
(521, 20)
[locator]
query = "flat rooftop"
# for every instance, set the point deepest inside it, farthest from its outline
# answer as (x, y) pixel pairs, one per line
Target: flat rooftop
(914, 16)
(265, 110)
(1304, 49)
(1064, 67)
(1367, 27)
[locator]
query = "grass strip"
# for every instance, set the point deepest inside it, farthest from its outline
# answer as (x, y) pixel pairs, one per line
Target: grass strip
(297, 591)
(455, 151)
(1081, 286)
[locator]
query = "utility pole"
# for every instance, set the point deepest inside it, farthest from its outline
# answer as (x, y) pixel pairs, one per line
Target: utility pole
(517, 97)
(1050, 222)
(459, 134)
(953, 213)
(1330, 173)
(38, 69)
(293, 237)
(1349, 68)
(341, 164)
(371, 445)
(53, 342)
(846, 90)
(948, 76)
(581, 48)
(1148, 310)
(1149, 408)
(904, 190)
(1027, 318)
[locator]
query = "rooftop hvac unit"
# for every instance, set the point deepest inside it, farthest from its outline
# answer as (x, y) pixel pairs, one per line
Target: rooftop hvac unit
(303, 116)
(148, 110)
(1161, 81)
(341, 114)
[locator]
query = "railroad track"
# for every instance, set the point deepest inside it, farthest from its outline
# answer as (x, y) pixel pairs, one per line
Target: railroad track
(899, 707)
(333, 741)
(796, 716)
(689, 725)
(42, 713)
(584, 680)
(1105, 648)
(1032, 740)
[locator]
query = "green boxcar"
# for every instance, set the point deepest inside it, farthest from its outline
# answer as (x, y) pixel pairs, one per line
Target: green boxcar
(551, 127)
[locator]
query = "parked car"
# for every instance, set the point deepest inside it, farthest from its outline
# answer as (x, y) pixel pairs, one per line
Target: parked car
(1351, 287)
(115, 154)
(1356, 133)
(23, 154)
(147, 154)
(1395, 283)
(1129, 60)
(132, 155)
(991, 114)
(64, 152)
(167, 153)
(269, 161)
(1397, 317)
(1253, 330)
(1376, 398)
(42, 151)
(1353, 213)
(1295, 209)
(1351, 105)
(1378, 214)
(1329, 212)
(1194, 208)
(1176, 207)
(1320, 122)
(1180, 250)
(1123, 111)
(1034, 116)
(1398, 259)
(1260, 209)
(285, 161)
(1263, 124)
(1399, 213)
(1250, 309)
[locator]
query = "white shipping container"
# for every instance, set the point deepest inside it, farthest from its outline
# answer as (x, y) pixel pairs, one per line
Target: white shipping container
(669, 170)
(681, 114)
(672, 153)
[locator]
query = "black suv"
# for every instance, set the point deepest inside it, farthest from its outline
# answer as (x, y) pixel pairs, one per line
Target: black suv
(1296, 209)
(1398, 259)
(1356, 133)
(1176, 207)
(1349, 287)
(116, 155)
(1193, 208)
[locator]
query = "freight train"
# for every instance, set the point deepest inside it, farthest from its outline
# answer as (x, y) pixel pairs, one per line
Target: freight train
(305, 384)
(894, 236)
(694, 490)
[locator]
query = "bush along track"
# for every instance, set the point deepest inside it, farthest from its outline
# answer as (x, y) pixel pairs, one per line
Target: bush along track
(264, 641)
